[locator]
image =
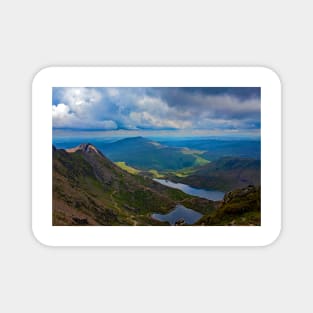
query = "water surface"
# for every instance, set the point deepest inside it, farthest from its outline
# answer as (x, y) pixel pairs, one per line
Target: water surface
(214, 195)
(180, 212)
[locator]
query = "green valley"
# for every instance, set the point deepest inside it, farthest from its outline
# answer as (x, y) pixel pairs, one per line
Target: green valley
(126, 188)
(89, 189)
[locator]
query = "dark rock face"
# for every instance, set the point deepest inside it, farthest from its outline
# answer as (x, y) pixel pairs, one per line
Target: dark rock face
(87, 148)
(80, 221)
(238, 193)
(84, 147)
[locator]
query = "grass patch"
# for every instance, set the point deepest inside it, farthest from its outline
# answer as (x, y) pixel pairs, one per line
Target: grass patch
(156, 174)
(200, 161)
(127, 168)
(184, 172)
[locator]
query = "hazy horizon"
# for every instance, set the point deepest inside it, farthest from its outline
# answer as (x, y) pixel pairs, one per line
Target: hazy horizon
(162, 134)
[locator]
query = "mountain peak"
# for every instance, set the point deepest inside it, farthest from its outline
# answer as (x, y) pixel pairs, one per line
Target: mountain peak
(84, 147)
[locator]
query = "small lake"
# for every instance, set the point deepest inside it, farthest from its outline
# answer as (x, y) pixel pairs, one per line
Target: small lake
(180, 212)
(214, 195)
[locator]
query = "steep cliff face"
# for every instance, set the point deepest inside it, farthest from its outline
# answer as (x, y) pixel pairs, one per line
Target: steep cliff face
(239, 207)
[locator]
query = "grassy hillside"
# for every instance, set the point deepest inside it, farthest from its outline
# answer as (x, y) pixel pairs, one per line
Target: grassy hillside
(88, 189)
(144, 154)
(215, 149)
(224, 174)
(127, 168)
(240, 207)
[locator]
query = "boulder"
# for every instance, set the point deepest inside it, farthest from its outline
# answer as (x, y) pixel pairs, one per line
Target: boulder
(180, 222)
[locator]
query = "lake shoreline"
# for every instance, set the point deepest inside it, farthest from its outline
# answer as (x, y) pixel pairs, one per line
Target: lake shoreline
(213, 195)
(180, 215)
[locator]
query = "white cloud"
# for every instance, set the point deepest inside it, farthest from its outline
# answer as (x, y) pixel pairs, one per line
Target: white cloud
(79, 109)
(112, 92)
(145, 119)
(61, 115)
(109, 124)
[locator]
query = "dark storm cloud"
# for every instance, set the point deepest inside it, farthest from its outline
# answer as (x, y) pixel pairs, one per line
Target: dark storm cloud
(242, 93)
(226, 103)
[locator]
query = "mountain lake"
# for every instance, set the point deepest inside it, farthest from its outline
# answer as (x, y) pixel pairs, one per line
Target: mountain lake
(214, 195)
(180, 212)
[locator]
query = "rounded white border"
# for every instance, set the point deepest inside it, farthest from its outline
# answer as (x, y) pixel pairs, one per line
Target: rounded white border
(156, 77)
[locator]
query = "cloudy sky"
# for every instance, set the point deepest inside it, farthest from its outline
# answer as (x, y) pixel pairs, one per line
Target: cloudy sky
(201, 110)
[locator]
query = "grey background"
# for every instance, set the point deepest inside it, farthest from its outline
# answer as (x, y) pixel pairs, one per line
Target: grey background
(35, 34)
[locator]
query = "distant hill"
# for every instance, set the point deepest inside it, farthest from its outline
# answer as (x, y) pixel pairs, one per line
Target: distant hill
(145, 154)
(239, 207)
(217, 148)
(225, 174)
(89, 189)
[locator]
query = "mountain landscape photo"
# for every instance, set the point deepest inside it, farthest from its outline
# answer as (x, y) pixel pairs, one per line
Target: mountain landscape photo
(156, 156)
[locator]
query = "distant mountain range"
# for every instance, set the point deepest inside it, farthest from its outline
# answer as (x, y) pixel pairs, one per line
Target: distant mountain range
(218, 148)
(146, 154)
(188, 165)
(89, 189)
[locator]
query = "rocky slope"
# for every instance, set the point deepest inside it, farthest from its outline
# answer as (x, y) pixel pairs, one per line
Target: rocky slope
(239, 207)
(88, 189)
